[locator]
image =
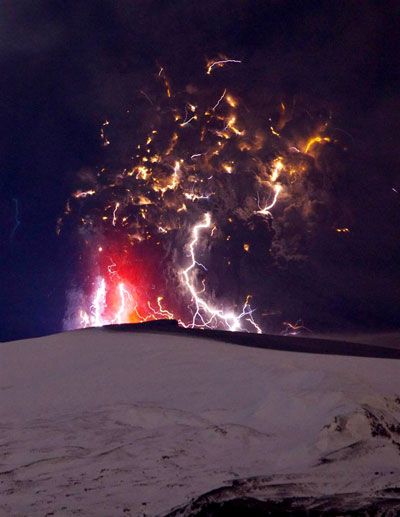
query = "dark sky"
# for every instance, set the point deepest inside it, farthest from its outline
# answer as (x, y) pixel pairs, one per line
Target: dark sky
(67, 65)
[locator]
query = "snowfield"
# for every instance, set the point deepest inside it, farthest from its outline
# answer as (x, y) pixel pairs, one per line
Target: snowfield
(97, 422)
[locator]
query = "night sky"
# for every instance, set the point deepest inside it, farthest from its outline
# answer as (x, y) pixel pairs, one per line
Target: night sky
(68, 66)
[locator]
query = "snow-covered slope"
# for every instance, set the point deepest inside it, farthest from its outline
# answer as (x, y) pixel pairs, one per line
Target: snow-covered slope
(97, 422)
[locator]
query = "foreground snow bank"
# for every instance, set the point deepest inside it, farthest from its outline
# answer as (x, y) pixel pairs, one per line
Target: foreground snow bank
(97, 422)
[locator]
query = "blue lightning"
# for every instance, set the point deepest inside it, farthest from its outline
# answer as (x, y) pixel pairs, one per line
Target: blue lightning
(17, 221)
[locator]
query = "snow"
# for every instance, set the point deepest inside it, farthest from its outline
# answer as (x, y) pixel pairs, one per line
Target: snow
(96, 422)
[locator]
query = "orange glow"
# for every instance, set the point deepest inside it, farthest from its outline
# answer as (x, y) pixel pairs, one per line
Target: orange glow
(315, 140)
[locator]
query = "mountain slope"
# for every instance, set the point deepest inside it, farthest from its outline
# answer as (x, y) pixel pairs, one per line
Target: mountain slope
(97, 422)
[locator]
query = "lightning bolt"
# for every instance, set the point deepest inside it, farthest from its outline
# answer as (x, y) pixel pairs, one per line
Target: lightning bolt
(124, 297)
(17, 221)
(267, 208)
(99, 304)
(220, 63)
(208, 315)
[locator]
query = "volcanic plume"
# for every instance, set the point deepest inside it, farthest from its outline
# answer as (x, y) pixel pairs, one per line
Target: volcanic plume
(201, 190)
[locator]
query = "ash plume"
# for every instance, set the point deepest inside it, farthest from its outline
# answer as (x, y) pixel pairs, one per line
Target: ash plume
(194, 175)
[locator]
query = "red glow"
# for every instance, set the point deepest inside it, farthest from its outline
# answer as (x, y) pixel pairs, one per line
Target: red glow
(124, 290)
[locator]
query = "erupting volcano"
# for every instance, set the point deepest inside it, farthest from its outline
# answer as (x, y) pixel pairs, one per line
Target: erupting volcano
(166, 223)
